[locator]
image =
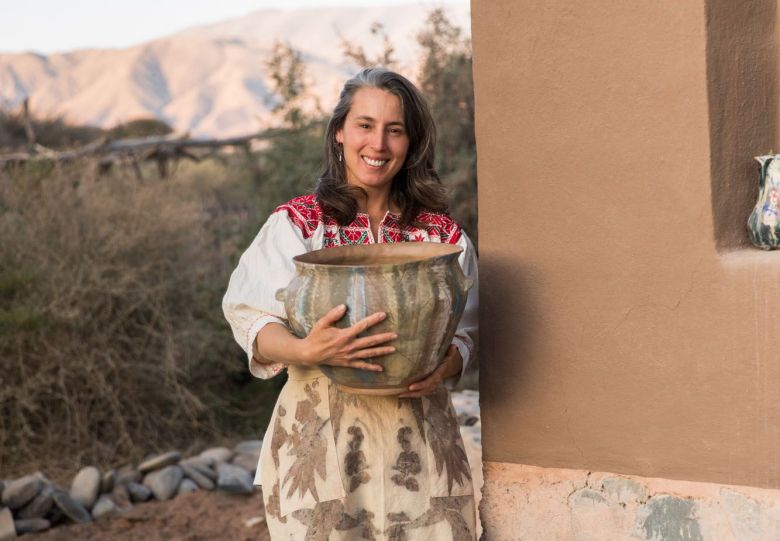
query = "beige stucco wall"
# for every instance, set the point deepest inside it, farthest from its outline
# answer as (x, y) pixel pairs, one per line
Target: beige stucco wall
(625, 326)
(530, 503)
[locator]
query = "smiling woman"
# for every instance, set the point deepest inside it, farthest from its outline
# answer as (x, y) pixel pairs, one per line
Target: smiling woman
(336, 465)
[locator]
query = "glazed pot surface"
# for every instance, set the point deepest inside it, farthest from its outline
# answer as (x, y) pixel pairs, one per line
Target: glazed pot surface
(420, 287)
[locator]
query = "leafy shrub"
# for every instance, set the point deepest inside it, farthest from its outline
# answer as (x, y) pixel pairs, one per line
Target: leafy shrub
(140, 127)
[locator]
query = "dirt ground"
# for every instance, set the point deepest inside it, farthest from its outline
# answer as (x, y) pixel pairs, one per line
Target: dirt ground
(197, 516)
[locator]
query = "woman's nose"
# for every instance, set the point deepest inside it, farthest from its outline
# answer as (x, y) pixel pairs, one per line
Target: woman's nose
(378, 140)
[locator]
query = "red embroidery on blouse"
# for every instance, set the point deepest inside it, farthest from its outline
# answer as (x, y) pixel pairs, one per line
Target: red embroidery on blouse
(305, 213)
(440, 226)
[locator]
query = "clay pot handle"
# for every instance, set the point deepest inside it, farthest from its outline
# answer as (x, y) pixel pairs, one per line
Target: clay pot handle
(466, 283)
(281, 294)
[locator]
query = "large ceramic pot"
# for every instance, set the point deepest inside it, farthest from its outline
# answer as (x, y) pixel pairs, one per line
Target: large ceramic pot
(419, 285)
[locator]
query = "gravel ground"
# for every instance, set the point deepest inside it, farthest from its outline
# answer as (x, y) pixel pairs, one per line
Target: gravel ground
(197, 516)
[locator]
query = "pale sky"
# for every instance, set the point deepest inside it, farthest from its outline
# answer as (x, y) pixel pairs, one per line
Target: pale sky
(47, 26)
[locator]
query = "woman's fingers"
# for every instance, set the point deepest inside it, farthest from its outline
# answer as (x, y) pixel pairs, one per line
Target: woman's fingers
(370, 353)
(333, 315)
(370, 341)
(342, 347)
(426, 386)
(364, 365)
(358, 359)
(365, 323)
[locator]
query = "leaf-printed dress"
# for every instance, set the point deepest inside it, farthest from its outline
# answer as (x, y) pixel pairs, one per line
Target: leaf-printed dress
(340, 466)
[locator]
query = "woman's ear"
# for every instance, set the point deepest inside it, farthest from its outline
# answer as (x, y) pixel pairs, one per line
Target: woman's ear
(340, 137)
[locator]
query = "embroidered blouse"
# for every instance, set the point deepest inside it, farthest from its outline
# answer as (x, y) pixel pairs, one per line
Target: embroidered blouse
(300, 226)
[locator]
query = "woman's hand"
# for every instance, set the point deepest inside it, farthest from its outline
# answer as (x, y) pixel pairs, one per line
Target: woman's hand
(331, 345)
(450, 366)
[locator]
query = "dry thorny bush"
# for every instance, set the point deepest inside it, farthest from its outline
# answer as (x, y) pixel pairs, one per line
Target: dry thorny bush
(110, 332)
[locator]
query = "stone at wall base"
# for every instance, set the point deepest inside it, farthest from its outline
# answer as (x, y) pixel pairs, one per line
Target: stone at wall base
(532, 503)
(7, 529)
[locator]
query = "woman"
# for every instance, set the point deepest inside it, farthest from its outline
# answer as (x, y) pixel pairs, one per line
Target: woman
(336, 465)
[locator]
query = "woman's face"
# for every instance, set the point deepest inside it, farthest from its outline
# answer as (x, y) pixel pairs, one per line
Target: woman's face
(374, 139)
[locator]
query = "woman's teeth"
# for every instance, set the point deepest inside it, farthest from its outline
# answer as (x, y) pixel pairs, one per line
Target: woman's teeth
(374, 163)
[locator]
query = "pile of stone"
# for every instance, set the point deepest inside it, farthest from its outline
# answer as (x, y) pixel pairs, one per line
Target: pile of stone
(466, 404)
(33, 504)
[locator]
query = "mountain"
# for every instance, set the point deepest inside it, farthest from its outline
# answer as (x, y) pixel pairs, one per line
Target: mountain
(211, 80)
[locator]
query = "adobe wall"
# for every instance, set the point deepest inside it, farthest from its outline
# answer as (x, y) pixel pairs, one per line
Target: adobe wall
(626, 326)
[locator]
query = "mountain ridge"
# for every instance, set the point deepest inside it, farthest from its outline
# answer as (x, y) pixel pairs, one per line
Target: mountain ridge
(210, 80)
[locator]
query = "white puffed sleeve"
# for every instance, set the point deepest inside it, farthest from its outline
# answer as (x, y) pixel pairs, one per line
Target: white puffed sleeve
(265, 267)
(467, 333)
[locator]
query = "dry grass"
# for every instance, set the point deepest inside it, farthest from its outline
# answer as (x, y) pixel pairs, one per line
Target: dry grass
(112, 341)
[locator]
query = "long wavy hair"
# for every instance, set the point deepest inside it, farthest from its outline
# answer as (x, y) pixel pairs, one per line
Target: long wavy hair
(416, 187)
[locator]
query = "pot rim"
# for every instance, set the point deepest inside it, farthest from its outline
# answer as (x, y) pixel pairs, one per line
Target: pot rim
(437, 251)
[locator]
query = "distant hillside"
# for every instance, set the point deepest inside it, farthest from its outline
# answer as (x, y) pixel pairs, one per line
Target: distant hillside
(209, 80)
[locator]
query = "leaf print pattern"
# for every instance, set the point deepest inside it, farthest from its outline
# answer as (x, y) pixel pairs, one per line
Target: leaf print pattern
(273, 506)
(338, 401)
(364, 521)
(419, 415)
(449, 508)
(321, 520)
(397, 529)
(446, 449)
(279, 436)
(355, 464)
(408, 463)
(329, 516)
(307, 446)
(377, 465)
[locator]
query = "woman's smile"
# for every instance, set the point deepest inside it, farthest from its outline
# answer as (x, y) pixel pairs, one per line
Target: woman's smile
(377, 162)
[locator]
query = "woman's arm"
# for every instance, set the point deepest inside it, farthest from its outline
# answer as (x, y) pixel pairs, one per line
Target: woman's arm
(250, 301)
(326, 344)
(258, 318)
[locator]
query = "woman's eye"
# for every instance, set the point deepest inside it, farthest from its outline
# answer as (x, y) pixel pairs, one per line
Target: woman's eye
(364, 126)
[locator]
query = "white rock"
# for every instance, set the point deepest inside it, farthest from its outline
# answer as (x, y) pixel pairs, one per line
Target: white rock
(104, 508)
(165, 482)
(138, 492)
(39, 506)
(187, 485)
(107, 481)
(248, 462)
(249, 447)
(21, 491)
(194, 474)
(159, 461)
(234, 479)
(204, 465)
(70, 507)
(7, 529)
(128, 474)
(31, 525)
(86, 486)
(218, 454)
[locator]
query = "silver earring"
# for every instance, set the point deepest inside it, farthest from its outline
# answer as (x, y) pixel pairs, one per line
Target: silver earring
(341, 152)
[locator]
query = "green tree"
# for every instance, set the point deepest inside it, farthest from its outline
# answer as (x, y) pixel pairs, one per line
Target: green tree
(358, 55)
(446, 80)
(289, 165)
(287, 71)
